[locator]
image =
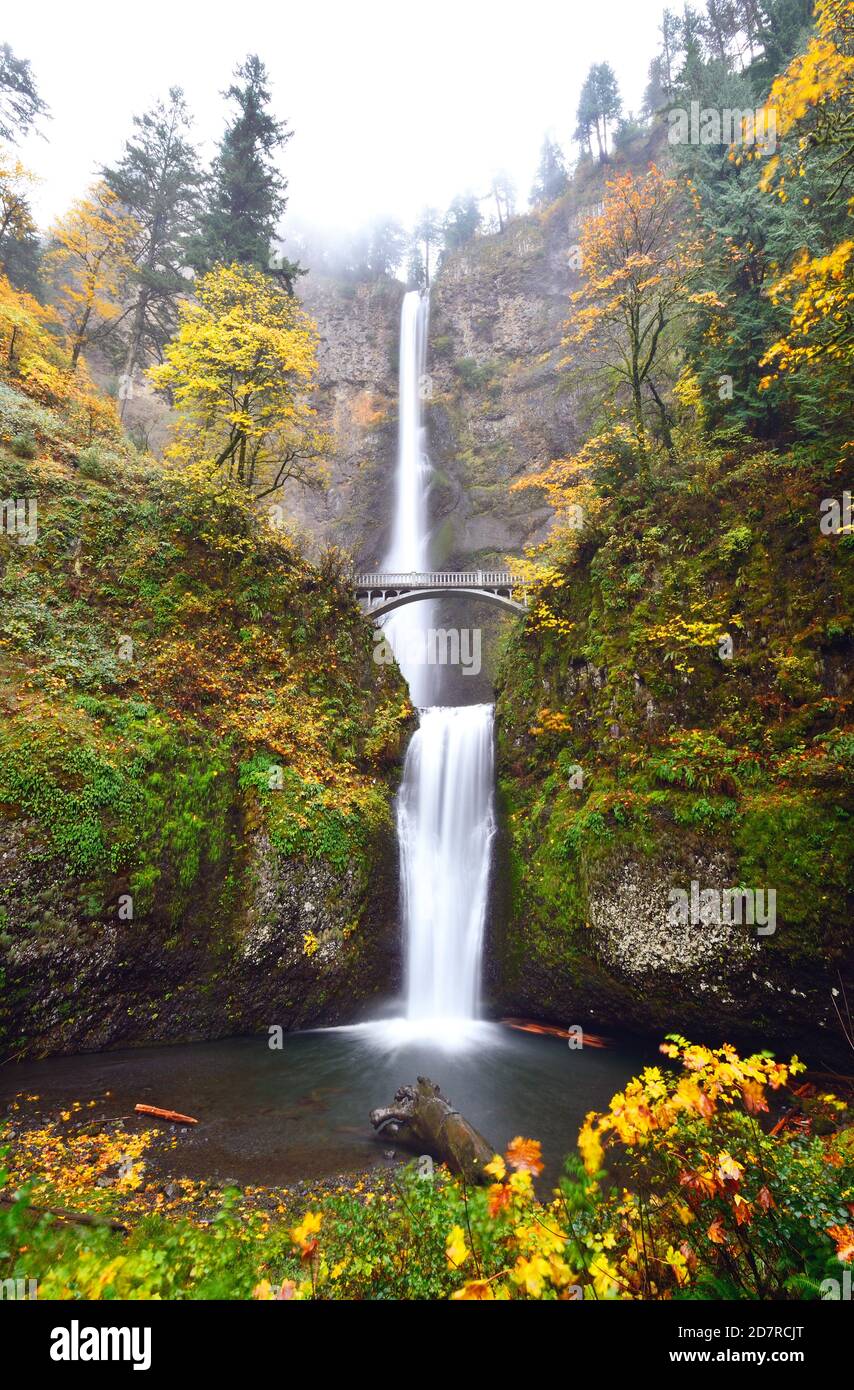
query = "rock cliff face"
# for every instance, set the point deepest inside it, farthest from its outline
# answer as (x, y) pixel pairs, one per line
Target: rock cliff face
(359, 329)
(74, 985)
(493, 408)
(497, 309)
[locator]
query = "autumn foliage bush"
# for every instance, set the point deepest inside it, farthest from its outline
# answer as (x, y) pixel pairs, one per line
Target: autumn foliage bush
(717, 1198)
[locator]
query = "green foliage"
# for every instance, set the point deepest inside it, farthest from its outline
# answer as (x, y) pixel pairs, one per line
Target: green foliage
(24, 445)
(158, 181)
(473, 374)
(245, 196)
(161, 647)
(710, 1204)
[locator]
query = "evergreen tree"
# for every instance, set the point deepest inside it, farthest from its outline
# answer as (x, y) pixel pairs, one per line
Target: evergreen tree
(551, 180)
(21, 260)
(598, 106)
(20, 103)
(747, 236)
(656, 96)
(778, 28)
(426, 235)
(246, 192)
(386, 244)
(157, 181)
(504, 194)
(416, 278)
(462, 221)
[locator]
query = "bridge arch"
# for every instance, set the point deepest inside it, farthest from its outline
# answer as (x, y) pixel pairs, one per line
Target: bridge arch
(382, 592)
(397, 600)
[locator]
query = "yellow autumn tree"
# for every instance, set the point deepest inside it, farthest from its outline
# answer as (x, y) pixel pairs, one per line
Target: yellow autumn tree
(16, 181)
(577, 489)
(813, 106)
(34, 359)
(814, 98)
(89, 261)
(240, 370)
(820, 292)
(639, 258)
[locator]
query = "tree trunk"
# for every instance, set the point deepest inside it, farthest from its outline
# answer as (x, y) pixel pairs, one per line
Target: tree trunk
(422, 1117)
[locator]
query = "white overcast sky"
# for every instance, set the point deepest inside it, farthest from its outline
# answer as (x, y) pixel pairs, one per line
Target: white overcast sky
(394, 105)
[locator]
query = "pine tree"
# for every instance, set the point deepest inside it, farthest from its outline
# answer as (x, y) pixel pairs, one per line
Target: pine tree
(416, 278)
(20, 103)
(462, 221)
(246, 193)
(386, 244)
(598, 106)
(551, 181)
(504, 194)
(157, 181)
(21, 260)
(426, 237)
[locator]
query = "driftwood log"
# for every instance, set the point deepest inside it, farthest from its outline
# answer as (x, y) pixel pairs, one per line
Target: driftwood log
(174, 1115)
(423, 1118)
(75, 1218)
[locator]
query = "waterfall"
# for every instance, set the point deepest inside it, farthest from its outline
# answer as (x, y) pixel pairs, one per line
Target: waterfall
(445, 814)
(409, 544)
(445, 825)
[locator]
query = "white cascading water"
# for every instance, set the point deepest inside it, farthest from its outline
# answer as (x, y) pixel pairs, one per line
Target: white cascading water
(445, 825)
(445, 815)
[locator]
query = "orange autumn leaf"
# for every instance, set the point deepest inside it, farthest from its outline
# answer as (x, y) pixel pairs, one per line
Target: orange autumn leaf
(475, 1289)
(843, 1236)
(525, 1155)
(716, 1232)
(499, 1196)
(754, 1097)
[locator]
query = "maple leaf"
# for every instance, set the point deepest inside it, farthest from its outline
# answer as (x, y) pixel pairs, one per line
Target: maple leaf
(456, 1250)
(728, 1169)
(499, 1196)
(531, 1274)
(303, 1234)
(525, 1155)
(591, 1146)
(843, 1236)
(717, 1231)
(475, 1289)
(754, 1097)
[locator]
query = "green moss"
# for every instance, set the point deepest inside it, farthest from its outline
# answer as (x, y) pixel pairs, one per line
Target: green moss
(748, 757)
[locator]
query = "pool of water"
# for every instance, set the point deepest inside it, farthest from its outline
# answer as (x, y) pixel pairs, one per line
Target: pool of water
(276, 1116)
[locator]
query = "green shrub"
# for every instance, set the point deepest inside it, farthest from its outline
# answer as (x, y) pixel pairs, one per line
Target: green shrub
(96, 463)
(24, 445)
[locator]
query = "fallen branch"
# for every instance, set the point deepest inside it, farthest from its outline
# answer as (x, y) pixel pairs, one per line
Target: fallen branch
(422, 1117)
(76, 1218)
(159, 1114)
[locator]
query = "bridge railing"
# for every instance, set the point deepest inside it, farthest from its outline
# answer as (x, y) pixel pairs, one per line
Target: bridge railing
(437, 579)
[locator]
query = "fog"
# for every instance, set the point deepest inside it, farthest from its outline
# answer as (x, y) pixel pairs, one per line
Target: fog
(392, 106)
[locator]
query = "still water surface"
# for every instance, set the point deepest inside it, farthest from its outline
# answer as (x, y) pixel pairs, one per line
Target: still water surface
(274, 1117)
